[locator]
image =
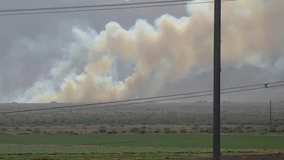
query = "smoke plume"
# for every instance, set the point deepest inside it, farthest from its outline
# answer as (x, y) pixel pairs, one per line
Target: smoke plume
(252, 33)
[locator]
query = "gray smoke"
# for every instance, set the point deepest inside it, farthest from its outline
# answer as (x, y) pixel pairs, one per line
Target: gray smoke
(152, 58)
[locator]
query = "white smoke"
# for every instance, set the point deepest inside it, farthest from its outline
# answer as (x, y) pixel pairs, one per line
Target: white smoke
(164, 53)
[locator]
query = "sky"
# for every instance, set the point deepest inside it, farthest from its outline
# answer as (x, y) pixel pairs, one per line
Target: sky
(135, 53)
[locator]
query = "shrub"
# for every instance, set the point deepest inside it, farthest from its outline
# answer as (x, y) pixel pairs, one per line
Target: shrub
(157, 131)
(183, 130)
(134, 130)
(142, 131)
(28, 129)
(36, 131)
(273, 130)
(167, 130)
(112, 132)
(102, 130)
(248, 127)
(210, 130)
(195, 128)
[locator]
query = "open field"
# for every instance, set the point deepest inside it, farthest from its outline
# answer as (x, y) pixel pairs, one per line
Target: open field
(150, 131)
(151, 140)
(238, 118)
(130, 153)
(135, 146)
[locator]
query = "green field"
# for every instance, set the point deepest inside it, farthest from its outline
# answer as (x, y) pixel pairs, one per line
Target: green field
(134, 146)
(151, 140)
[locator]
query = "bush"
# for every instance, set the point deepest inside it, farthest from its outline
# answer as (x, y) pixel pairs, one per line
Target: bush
(273, 130)
(36, 131)
(102, 130)
(134, 130)
(183, 130)
(210, 130)
(142, 131)
(112, 132)
(28, 130)
(103, 127)
(167, 130)
(195, 128)
(62, 132)
(248, 127)
(157, 131)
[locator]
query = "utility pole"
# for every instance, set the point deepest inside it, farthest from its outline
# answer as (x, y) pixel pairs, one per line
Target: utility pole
(217, 83)
(270, 116)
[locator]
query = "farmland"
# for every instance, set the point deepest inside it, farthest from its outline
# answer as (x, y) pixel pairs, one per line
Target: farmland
(159, 130)
(151, 140)
(135, 146)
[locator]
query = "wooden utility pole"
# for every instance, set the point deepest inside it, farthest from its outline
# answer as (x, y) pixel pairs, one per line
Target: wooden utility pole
(217, 83)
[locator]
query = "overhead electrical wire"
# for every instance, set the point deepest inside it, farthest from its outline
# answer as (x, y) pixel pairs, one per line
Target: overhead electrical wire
(158, 98)
(94, 6)
(118, 6)
(88, 10)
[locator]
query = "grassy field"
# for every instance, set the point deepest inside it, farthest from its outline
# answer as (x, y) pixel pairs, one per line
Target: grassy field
(133, 146)
(151, 140)
(152, 131)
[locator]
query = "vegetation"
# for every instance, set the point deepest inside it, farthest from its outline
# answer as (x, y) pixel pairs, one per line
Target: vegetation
(140, 119)
(150, 140)
(144, 131)
(135, 145)
(53, 152)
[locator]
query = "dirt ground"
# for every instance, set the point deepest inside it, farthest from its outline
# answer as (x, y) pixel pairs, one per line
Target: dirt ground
(275, 157)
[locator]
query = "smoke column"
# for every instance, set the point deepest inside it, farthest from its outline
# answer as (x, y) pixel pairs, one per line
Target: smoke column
(252, 33)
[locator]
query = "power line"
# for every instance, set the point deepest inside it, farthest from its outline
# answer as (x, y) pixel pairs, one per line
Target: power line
(92, 6)
(89, 10)
(14, 12)
(153, 99)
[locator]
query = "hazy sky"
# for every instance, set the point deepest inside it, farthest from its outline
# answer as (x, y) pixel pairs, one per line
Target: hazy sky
(122, 54)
